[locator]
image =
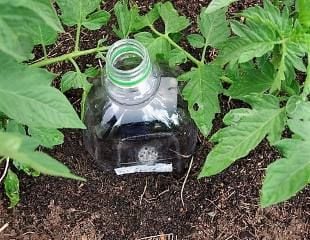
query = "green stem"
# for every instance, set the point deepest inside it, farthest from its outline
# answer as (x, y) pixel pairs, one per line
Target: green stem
(77, 68)
(77, 38)
(67, 56)
(83, 101)
(173, 43)
(204, 53)
(44, 51)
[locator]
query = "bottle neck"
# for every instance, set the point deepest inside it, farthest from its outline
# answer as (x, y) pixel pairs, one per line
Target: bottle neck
(131, 79)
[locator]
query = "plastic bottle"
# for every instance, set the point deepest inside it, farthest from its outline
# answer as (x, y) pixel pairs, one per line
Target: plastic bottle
(136, 120)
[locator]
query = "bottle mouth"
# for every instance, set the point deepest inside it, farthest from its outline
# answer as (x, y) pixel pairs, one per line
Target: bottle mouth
(127, 63)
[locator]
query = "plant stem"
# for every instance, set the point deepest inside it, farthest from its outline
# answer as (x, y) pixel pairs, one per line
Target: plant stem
(77, 68)
(77, 38)
(173, 43)
(203, 57)
(44, 51)
(67, 56)
(83, 101)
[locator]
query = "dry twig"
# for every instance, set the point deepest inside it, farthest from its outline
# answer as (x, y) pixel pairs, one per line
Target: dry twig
(186, 177)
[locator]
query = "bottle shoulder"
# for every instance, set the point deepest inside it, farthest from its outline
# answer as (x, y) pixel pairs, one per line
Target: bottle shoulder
(165, 108)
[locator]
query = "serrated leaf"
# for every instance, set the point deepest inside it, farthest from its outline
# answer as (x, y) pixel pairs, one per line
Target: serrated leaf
(251, 80)
(11, 188)
(155, 46)
(271, 16)
(237, 140)
(173, 22)
(148, 19)
(11, 145)
(218, 4)
(201, 92)
(126, 18)
(250, 43)
(96, 20)
(75, 12)
(20, 102)
(47, 137)
(287, 176)
(196, 40)
(214, 26)
(74, 80)
(19, 22)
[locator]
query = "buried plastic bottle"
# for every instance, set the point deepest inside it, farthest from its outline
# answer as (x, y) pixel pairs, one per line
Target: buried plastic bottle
(136, 120)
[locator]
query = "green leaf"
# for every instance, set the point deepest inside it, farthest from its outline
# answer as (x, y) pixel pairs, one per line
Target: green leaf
(304, 12)
(173, 22)
(21, 21)
(96, 20)
(15, 127)
(74, 80)
(251, 42)
(251, 80)
(29, 171)
(126, 19)
(75, 12)
(246, 131)
(11, 188)
(176, 57)
(12, 145)
(270, 16)
(47, 137)
(297, 108)
(39, 105)
(92, 72)
(14, 73)
(155, 46)
(214, 27)
(148, 19)
(287, 176)
(202, 92)
(43, 9)
(291, 56)
(43, 35)
(196, 40)
(218, 4)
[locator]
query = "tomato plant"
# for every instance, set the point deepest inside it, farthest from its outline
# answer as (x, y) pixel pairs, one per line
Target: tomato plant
(260, 53)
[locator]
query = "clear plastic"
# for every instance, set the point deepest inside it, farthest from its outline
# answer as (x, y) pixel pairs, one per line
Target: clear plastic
(142, 126)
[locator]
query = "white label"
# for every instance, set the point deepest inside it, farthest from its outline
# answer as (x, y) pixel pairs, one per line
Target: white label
(159, 167)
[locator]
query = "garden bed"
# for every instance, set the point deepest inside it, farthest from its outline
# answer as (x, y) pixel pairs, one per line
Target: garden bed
(136, 206)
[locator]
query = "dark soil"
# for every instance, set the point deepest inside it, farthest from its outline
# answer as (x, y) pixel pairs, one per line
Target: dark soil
(136, 206)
